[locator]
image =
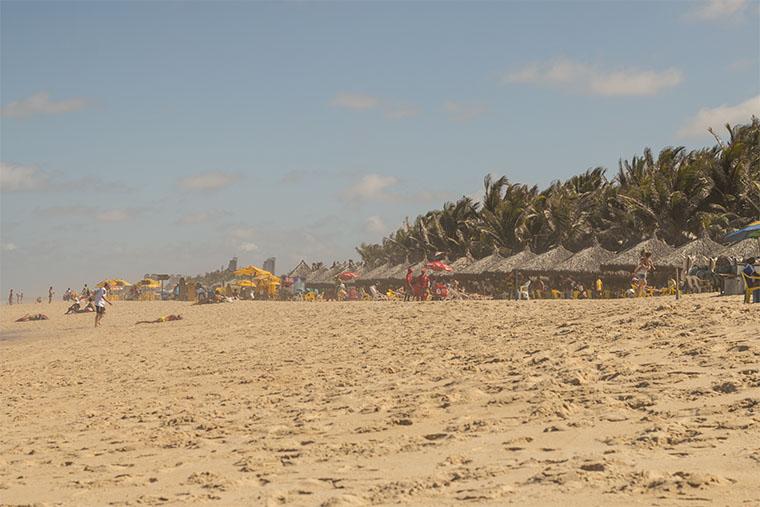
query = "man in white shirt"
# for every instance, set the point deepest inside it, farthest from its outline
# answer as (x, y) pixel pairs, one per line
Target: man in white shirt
(100, 303)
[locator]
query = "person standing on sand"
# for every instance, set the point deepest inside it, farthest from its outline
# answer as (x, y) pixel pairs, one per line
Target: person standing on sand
(408, 284)
(423, 282)
(100, 303)
(10, 297)
(50, 294)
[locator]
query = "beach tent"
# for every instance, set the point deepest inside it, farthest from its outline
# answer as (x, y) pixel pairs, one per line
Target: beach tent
(547, 261)
(481, 266)
(703, 249)
(629, 259)
(512, 262)
(589, 260)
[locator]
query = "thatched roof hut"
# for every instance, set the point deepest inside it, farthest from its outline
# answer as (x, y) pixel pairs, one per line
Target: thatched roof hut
(378, 272)
(481, 266)
(589, 260)
(458, 265)
(702, 248)
(629, 259)
(302, 270)
(749, 247)
(327, 276)
(513, 261)
(547, 261)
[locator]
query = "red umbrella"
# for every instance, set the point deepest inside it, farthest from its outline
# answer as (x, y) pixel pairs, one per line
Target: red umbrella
(439, 266)
(348, 275)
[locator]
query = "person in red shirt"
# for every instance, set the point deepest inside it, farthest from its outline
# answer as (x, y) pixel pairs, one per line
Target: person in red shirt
(408, 284)
(423, 282)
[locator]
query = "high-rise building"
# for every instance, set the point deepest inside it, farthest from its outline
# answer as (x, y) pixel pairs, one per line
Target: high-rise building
(232, 266)
(269, 264)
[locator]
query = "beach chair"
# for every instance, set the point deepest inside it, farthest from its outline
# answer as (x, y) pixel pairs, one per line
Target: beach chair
(748, 291)
(523, 294)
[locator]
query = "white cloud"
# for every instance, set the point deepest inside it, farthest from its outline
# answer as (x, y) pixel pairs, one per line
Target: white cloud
(39, 104)
(199, 217)
(364, 102)
(240, 233)
(370, 187)
(582, 77)
(399, 111)
(248, 247)
(742, 64)
(8, 247)
(114, 215)
(375, 224)
(16, 178)
(355, 101)
(210, 180)
(717, 117)
(462, 111)
(105, 215)
(718, 9)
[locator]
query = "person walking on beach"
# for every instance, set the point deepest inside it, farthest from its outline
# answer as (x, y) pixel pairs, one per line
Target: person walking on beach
(640, 273)
(10, 297)
(100, 303)
(50, 294)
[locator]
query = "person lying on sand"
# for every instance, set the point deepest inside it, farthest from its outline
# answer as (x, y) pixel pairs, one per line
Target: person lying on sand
(33, 316)
(168, 318)
(77, 308)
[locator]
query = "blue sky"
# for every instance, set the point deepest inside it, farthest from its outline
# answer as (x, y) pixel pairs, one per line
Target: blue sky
(167, 136)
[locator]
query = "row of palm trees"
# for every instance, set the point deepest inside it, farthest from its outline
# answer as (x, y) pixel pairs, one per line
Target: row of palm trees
(679, 195)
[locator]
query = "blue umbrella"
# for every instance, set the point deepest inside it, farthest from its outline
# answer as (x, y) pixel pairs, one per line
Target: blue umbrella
(752, 230)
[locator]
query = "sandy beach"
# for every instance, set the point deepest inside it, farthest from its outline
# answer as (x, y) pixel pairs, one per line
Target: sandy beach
(614, 402)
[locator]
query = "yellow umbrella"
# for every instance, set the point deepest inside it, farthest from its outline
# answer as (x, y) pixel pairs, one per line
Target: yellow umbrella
(116, 282)
(245, 283)
(149, 283)
(251, 271)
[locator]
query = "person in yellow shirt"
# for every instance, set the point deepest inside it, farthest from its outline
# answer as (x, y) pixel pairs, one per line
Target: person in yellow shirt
(599, 287)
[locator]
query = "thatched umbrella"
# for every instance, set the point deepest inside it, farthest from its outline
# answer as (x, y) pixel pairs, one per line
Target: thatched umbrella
(458, 265)
(512, 262)
(589, 260)
(702, 248)
(377, 272)
(482, 265)
(749, 247)
(302, 270)
(629, 259)
(547, 261)
(316, 274)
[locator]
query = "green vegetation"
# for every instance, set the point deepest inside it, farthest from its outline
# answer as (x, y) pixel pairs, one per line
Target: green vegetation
(679, 195)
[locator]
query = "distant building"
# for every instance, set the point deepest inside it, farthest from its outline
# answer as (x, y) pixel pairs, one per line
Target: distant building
(232, 266)
(269, 264)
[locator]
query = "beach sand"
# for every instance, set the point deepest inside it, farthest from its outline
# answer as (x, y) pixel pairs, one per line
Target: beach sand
(621, 402)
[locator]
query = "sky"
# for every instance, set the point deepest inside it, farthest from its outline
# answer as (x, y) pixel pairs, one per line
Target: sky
(167, 137)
